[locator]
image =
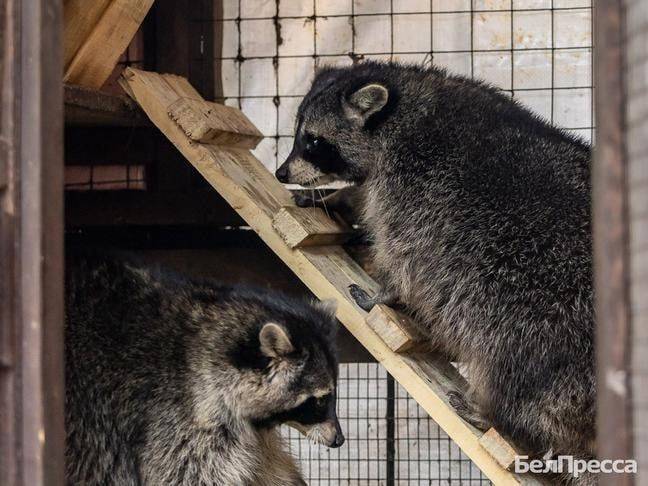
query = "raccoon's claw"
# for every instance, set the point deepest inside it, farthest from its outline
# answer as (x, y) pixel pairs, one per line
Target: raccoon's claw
(303, 201)
(467, 410)
(361, 297)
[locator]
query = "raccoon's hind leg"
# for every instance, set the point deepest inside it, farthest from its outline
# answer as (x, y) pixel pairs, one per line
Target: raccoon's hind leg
(365, 302)
(468, 410)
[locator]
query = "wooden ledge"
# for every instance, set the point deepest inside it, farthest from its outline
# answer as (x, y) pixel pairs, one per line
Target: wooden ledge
(301, 227)
(396, 329)
(207, 122)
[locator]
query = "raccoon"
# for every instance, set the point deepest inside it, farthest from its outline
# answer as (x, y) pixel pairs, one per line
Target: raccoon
(479, 216)
(176, 381)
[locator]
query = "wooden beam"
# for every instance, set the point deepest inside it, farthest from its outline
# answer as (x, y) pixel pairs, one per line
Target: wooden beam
(32, 391)
(610, 231)
(301, 227)
(90, 107)
(96, 35)
(394, 328)
(501, 450)
(208, 122)
(80, 17)
(326, 270)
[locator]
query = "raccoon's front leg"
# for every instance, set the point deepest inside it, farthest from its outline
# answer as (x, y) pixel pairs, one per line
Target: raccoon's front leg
(366, 303)
(468, 410)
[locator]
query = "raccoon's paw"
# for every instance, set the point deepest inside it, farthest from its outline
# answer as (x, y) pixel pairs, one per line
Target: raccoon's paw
(467, 410)
(303, 201)
(361, 297)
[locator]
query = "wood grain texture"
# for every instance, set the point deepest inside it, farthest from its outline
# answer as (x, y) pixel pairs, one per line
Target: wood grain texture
(80, 17)
(610, 243)
(97, 49)
(326, 270)
(499, 448)
(301, 227)
(90, 107)
(208, 122)
(394, 328)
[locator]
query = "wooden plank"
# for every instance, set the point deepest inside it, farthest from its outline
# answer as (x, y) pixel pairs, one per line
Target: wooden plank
(32, 391)
(208, 122)
(90, 107)
(99, 49)
(80, 17)
(327, 271)
(499, 448)
(394, 328)
(301, 227)
(610, 231)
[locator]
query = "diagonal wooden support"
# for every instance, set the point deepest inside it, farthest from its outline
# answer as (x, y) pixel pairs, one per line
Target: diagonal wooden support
(327, 270)
(96, 33)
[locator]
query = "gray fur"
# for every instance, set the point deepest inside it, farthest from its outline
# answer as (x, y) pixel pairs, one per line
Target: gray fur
(172, 381)
(479, 214)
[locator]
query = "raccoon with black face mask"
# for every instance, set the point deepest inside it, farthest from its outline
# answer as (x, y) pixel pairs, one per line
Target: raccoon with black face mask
(479, 216)
(174, 381)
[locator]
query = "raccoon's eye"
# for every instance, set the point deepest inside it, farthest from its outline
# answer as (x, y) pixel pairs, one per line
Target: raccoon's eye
(313, 143)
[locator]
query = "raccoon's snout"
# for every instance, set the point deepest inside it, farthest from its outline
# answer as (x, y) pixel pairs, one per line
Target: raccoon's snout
(339, 438)
(282, 173)
(328, 433)
(296, 170)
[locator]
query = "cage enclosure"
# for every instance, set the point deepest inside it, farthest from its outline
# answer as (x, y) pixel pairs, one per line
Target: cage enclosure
(126, 185)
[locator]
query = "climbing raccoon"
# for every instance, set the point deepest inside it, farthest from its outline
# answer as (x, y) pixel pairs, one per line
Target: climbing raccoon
(479, 214)
(174, 381)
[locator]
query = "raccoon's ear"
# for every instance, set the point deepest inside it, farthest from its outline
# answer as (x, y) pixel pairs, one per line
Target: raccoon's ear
(329, 306)
(274, 340)
(364, 102)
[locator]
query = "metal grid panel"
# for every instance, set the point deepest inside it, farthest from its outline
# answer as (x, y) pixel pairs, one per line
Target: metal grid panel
(105, 177)
(389, 439)
(537, 50)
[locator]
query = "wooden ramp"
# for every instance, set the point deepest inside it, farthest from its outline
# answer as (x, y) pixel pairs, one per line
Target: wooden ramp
(216, 140)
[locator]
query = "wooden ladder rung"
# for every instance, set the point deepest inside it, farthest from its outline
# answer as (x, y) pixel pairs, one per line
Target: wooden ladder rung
(395, 329)
(207, 122)
(300, 227)
(503, 452)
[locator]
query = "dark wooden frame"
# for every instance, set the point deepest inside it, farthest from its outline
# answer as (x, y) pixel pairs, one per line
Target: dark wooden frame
(611, 243)
(31, 246)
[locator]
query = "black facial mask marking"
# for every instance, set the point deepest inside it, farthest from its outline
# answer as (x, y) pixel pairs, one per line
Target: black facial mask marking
(322, 154)
(312, 411)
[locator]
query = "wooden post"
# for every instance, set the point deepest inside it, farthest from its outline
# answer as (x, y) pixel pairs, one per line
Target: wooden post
(610, 231)
(31, 246)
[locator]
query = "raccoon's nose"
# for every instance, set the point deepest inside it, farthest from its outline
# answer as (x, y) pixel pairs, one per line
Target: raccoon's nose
(339, 440)
(282, 174)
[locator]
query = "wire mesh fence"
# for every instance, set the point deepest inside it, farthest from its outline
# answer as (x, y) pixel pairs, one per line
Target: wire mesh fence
(539, 51)
(266, 51)
(390, 439)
